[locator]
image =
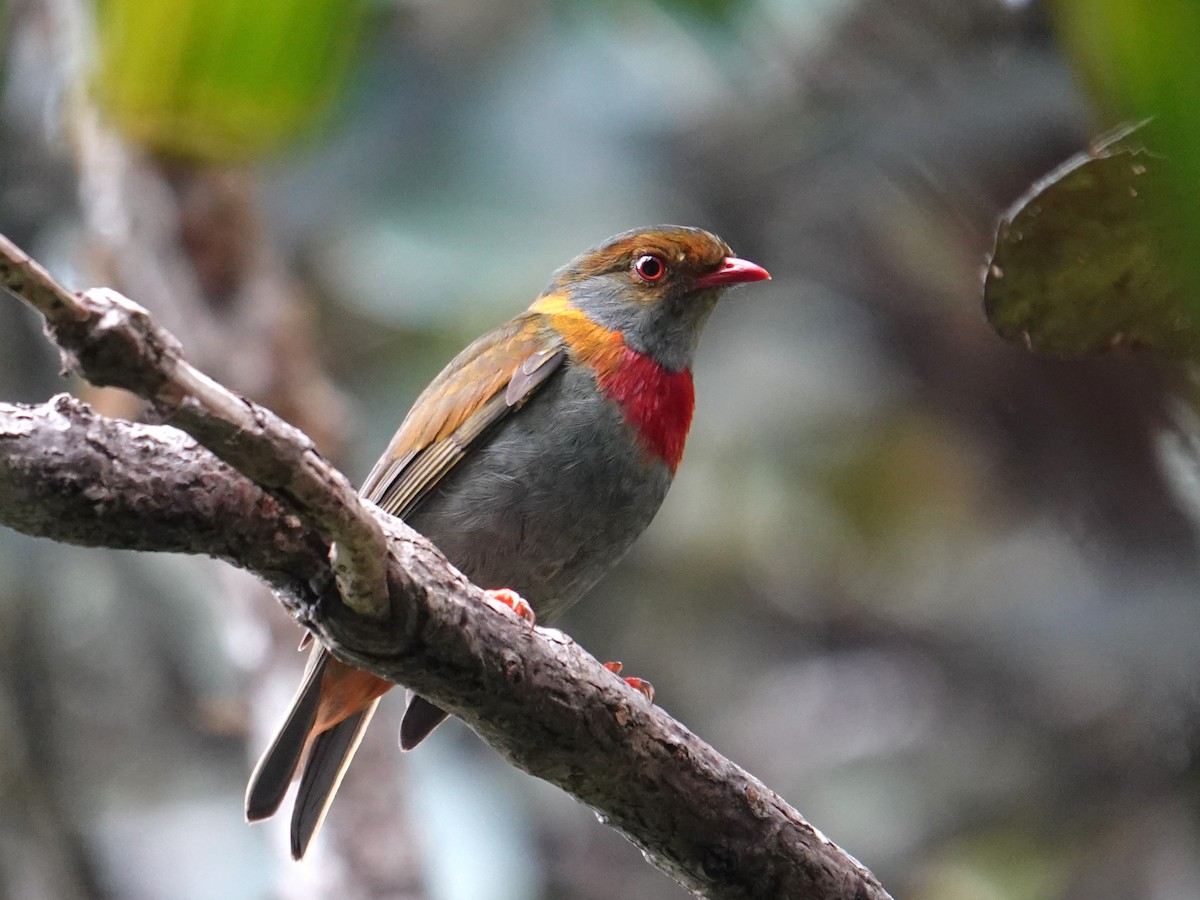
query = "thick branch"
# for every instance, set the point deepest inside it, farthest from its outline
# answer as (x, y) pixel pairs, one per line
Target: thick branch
(547, 705)
(71, 475)
(551, 709)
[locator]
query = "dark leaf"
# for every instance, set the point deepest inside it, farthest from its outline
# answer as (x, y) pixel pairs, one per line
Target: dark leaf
(1083, 265)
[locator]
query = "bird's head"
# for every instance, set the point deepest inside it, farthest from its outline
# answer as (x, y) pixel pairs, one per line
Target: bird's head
(654, 286)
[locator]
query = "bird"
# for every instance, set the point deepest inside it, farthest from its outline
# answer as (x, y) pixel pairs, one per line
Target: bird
(533, 462)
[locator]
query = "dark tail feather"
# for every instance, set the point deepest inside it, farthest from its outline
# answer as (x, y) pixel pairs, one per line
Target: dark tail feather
(327, 761)
(419, 720)
(275, 769)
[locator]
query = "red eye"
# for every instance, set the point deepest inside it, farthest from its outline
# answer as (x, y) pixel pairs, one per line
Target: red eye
(650, 267)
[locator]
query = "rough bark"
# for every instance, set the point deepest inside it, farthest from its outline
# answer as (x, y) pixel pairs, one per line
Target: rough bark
(535, 695)
(74, 476)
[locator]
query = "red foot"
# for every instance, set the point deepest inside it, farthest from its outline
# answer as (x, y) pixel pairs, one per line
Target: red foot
(638, 684)
(514, 601)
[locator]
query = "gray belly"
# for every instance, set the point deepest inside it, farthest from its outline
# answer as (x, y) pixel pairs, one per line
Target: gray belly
(550, 500)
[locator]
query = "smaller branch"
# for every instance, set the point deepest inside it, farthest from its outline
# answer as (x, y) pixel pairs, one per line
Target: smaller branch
(28, 279)
(113, 341)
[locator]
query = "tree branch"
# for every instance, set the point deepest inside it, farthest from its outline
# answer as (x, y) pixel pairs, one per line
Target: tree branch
(535, 695)
(112, 341)
(76, 477)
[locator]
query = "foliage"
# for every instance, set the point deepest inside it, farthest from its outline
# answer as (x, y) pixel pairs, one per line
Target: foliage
(1139, 60)
(1082, 264)
(219, 80)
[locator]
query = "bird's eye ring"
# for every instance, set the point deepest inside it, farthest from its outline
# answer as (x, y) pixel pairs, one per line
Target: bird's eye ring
(650, 267)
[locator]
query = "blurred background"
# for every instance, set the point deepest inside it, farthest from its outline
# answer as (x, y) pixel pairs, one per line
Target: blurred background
(936, 591)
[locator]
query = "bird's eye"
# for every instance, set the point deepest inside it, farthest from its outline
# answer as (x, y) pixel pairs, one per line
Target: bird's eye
(650, 267)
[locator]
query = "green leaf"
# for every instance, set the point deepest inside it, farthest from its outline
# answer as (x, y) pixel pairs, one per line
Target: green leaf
(1138, 60)
(1083, 263)
(220, 80)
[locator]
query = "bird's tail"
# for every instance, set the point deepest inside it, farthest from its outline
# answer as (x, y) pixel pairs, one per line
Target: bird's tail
(328, 759)
(318, 731)
(271, 777)
(420, 718)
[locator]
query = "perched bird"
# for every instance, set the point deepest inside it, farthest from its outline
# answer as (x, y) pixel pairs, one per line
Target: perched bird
(533, 461)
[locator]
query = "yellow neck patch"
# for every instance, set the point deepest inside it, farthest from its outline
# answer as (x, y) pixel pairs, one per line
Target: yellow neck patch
(589, 342)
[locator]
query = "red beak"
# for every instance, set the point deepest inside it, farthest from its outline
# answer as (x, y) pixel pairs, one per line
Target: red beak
(734, 271)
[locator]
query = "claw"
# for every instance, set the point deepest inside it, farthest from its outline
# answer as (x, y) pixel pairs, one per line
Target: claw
(512, 600)
(643, 686)
(638, 684)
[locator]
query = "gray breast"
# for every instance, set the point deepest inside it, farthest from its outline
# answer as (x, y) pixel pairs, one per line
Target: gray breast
(551, 498)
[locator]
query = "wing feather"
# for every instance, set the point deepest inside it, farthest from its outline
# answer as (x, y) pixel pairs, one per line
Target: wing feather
(493, 377)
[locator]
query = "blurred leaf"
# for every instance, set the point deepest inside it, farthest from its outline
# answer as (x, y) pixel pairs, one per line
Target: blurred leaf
(217, 80)
(911, 472)
(5, 18)
(719, 11)
(1138, 60)
(1083, 265)
(1004, 864)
